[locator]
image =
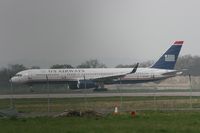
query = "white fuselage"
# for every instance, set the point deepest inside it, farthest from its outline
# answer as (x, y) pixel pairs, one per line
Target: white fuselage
(70, 75)
(51, 75)
(148, 74)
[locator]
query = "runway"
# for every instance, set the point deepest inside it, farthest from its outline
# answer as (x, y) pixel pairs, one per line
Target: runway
(80, 95)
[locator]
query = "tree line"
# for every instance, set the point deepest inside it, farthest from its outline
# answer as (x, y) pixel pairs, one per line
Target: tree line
(191, 65)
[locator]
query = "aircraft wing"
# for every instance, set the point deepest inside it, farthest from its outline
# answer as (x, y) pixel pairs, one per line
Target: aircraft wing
(116, 76)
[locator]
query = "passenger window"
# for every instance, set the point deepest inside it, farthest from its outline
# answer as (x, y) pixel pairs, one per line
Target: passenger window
(18, 75)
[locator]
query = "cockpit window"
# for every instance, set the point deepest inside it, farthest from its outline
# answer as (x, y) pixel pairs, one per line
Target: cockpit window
(18, 75)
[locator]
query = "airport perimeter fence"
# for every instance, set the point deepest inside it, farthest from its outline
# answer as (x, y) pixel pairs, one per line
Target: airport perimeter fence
(51, 100)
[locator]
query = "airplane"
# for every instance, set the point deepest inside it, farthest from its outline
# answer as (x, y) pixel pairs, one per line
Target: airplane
(162, 69)
(94, 77)
(75, 78)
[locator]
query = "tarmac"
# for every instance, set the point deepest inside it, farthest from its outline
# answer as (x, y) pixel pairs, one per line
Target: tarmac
(99, 94)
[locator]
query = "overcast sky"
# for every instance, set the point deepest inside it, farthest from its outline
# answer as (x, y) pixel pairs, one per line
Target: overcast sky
(46, 32)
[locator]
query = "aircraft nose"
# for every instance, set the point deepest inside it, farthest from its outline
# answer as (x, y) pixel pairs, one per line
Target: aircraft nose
(13, 80)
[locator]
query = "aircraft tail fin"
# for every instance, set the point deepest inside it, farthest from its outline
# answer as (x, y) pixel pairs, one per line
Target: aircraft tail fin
(169, 58)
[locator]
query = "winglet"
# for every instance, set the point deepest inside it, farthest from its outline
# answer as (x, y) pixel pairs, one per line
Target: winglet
(135, 68)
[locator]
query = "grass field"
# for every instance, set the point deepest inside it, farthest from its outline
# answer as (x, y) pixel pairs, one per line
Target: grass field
(151, 121)
(107, 104)
(144, 122)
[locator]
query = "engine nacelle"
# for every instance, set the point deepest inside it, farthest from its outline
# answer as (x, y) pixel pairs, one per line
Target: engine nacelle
(83, 84)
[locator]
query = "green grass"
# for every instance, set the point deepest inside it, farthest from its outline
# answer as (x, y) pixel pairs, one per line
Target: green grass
(101, 104)
(144, 122)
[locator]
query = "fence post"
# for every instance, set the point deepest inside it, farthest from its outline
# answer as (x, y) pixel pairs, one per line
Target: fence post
(190, 91)
(48, 95)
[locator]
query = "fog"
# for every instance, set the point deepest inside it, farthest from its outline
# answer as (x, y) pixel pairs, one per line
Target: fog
(46, 32)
